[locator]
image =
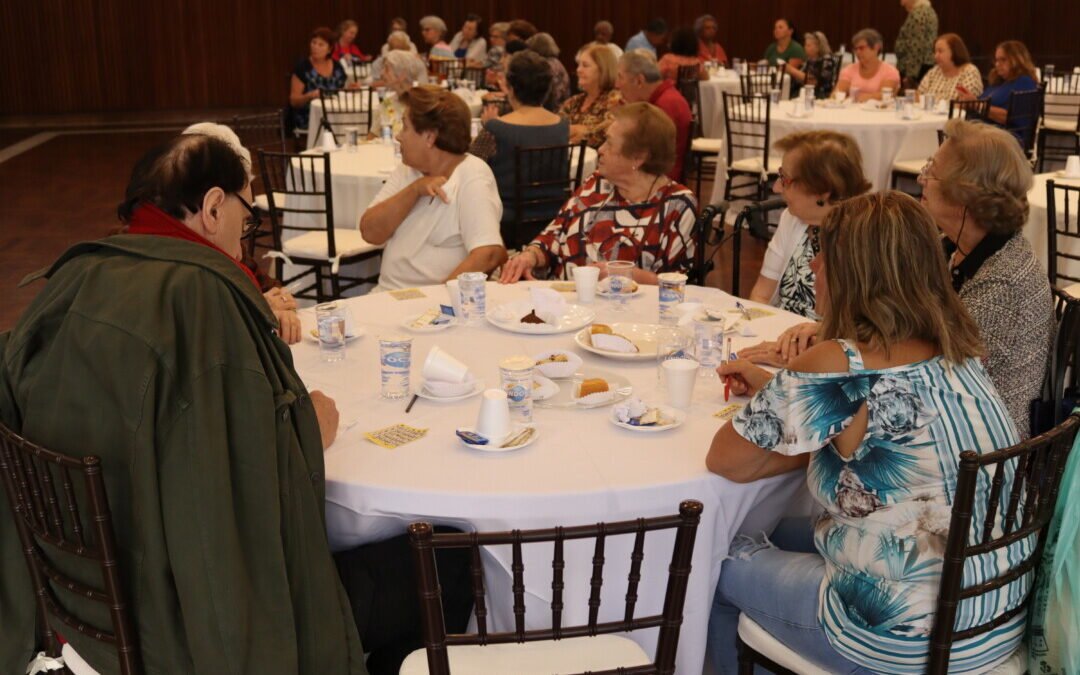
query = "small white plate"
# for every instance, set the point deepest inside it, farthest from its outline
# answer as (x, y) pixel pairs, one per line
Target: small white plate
(646, 336)
(429, 328)
(494, 447)
(603, 289)
(313, 335)
(558, 369)
(678, 415)
(424, 393)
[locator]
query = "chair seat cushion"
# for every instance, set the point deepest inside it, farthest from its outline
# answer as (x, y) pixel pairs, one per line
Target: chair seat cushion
(1072, 290)
(710, 145)
(1059, 124)
(574, 655)
(913, 166)
(313, 244)
(753, 164)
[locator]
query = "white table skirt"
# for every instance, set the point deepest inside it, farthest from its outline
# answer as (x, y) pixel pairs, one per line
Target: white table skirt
(883, 138)
(582, 469)
(712, 100)
(1037, 228)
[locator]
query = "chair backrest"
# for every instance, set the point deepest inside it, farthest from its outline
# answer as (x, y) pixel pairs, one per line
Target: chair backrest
(347, 108)
(1063, 233)
(746, 122)
(1060, 386)
(475, 74)
(978, 109)
(544, 178)
(708, 234)
(446, 68)
(1036, 466)
(691, 90)
(759, 82)
(1022, 117)
(1062, 102)
(425, 542)
(263, 131)
(62, 513)
(838, 65)
(299, 184)
(688, 73)
(360, 70)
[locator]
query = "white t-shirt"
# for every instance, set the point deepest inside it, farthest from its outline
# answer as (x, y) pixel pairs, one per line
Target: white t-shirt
(788, 237)
(435, 237)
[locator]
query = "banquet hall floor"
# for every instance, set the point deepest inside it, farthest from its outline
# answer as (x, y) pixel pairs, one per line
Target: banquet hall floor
(65, 187)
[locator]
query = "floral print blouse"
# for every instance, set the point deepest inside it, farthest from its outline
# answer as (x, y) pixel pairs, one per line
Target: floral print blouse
(915, 41)
(596, 118)
(796, 289)
(597, 223)
(888, 506)
(943, 88)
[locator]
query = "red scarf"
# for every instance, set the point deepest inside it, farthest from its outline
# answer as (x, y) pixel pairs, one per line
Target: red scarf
(149, 219)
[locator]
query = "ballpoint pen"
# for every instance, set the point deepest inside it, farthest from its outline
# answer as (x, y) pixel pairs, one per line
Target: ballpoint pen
(742, 308)
(731, 356)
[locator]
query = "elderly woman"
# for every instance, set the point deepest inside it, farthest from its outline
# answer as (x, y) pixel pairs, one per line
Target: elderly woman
(528, 79)
(497, 46)
(397, 41)
(544, 45)
(819, 169)
(706, 28)
(976, 188)
(628, 210)
(915, 41)
(317, 72)
(433, 30)
(818, 69)
(869, 74)
(398, 25)
(1013, 71)
(469, 42)
(400, 69)
(954, 74)
(684, 52)
(346, 42)
(590, 111)
(438, 213)
(875, 415)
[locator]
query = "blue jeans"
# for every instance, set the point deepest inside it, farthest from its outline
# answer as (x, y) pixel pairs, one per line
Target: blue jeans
(776, 586)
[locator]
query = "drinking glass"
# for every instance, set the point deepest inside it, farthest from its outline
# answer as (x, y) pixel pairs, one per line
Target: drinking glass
(330, 321)
(620, 282)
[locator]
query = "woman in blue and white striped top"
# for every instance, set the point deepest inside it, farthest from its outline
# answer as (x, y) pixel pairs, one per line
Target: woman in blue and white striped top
(878, 412)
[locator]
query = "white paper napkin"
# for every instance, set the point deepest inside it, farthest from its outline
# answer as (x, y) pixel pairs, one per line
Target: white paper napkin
(549, 304)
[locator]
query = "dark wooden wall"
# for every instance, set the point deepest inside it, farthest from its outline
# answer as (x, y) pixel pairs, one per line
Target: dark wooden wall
(64, 56)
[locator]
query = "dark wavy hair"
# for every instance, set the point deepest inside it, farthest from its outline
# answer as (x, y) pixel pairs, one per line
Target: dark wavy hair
(529, 77)
(176, 175)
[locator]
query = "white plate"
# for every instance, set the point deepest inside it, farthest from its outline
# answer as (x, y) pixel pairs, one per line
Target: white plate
(678, 415)
(564, 398)
(558, 369)
(313, 335)
(647, 337)
(508, 317)
(603, 289)
(494, 447)
(423, 393)
(546, 390)
(430, 328)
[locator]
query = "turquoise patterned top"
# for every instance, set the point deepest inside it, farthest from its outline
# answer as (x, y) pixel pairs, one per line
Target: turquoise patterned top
(888, 506)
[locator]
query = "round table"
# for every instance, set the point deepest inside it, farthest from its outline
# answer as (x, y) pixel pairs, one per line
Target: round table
(316, 115)
(712, 101)
(581, 469)
(1037, 228)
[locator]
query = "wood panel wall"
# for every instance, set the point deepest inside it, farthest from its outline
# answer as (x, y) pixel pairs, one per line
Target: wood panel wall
(65, 56)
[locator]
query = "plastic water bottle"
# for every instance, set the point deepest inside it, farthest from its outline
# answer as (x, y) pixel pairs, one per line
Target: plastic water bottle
(671, 292)
(473, 287)
(395, 362)
(387, 135)
(708, 334)
(809, 94)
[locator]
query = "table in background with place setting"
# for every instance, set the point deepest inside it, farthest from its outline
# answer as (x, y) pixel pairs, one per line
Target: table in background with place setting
(1037, 229)
(581, 468)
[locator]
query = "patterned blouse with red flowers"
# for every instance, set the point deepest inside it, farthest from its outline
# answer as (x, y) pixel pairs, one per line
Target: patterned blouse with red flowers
(597, 224)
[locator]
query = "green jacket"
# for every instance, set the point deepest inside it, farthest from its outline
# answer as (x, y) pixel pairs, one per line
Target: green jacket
(157, 355)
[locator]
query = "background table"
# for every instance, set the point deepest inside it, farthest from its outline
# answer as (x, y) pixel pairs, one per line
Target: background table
(316, 115)
(1037, 228)
(581, 469)
(712, 99)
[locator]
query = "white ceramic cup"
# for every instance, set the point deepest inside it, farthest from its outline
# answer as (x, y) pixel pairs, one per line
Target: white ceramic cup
(493, 422)
(454, 291)
(680, 375)
(585, 281)
(1072, 166)
(442, 367)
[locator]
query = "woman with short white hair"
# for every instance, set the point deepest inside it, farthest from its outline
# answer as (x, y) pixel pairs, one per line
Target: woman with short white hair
(399, 71)
(434, 31)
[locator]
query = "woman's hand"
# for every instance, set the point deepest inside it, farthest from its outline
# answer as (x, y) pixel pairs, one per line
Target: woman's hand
(280, 299)
(797, 339)
(518, 267)
(963, 94)
(745, 378)
(491, 111)
(288, 326)
(578, 132)
(764, 353)
(327, 413)
(430, 186)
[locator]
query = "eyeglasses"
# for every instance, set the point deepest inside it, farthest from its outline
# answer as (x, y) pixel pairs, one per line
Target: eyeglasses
(924, 173)
(253, 221)
(784, 178)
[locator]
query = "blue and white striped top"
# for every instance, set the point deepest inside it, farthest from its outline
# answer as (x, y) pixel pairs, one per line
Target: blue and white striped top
(888, 507)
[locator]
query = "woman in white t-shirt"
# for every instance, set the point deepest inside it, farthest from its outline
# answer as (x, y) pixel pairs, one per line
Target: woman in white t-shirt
(438, 213)
(819, 169)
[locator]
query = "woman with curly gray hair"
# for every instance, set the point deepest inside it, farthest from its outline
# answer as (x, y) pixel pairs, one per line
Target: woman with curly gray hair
(544, 45)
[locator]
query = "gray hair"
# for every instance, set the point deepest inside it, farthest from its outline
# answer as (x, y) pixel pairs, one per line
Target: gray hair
(401, 38)
(604, 24)
(699, 23)
(226, 134)
(871, 36)
(406, 65)
(641, 62)
(500, 27)
(822, 42)
(435, 22)
(543, 44)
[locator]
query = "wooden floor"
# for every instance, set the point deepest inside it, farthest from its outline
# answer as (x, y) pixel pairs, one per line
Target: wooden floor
(66, 190)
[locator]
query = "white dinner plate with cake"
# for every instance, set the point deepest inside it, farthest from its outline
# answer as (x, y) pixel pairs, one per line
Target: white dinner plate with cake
(625, 341)
(520, 316)
(593, 389)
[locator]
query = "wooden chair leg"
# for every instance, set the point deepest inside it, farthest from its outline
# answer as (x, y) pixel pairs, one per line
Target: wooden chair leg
(699, 162)
(746, 657)
(320, 297)
(335, 285)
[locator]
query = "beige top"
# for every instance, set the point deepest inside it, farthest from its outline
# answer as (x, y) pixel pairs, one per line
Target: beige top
(940, 87)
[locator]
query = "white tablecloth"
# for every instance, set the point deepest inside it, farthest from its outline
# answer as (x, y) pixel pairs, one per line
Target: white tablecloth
(1037, 228)
(882, 137)
(712, 100)
(316, 115)
(581, 469)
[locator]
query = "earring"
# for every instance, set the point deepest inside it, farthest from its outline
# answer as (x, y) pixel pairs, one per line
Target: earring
(821, 202)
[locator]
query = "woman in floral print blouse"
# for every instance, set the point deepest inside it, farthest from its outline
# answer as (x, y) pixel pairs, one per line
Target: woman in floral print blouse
(915, 42)
(590, 111)
(877, 413)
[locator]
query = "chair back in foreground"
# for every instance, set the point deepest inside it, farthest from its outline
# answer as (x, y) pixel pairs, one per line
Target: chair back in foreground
(978, 109)
(708, 238)
(436, 641)
(544, 178)
(62, 515)
(347, 108)
(1063, 233)
(1005, 520)
(1022, 117)
(1060, 386)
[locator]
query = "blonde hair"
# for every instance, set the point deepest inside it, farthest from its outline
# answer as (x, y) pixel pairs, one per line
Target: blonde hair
(986, 173)
(652, 135)
(887, 280)
(827, 162)
(606, 63)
